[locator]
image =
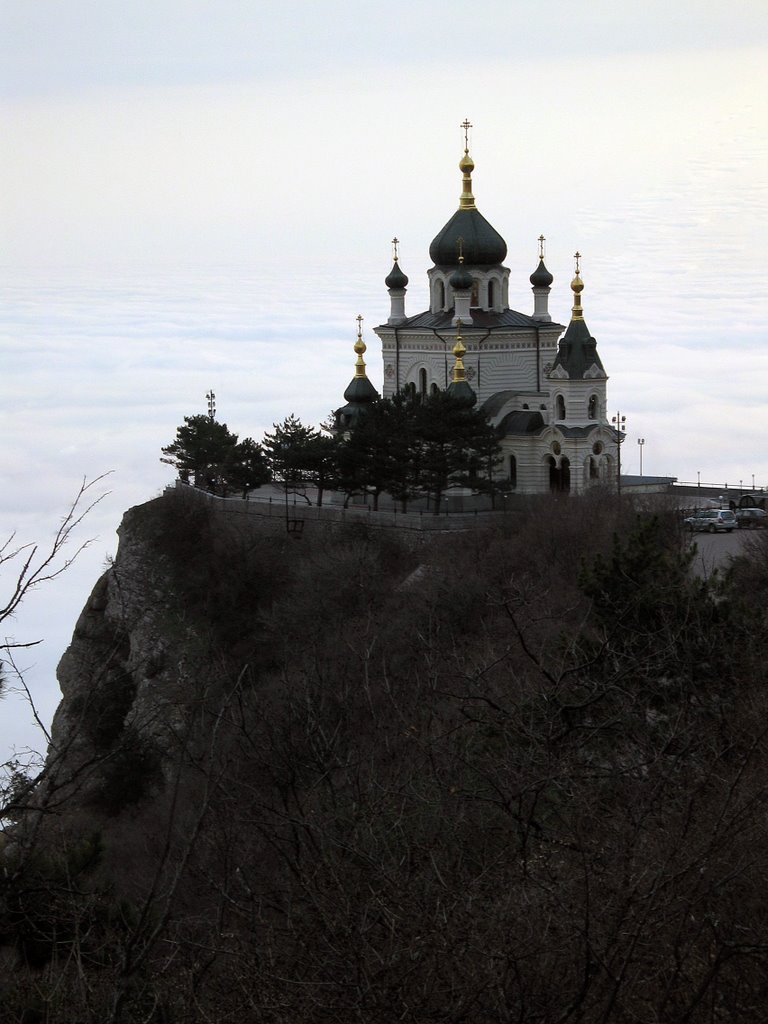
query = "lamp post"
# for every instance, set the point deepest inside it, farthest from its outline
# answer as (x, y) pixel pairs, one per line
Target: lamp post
(619, 423)
(641, 442)
(211, 404)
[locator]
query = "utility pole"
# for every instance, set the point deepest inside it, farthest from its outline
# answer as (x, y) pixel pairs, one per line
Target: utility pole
(641, 442)
(619, 423)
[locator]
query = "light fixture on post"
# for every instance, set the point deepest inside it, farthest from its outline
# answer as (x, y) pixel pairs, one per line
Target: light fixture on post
(641, 442)
(211, 404)
(619, 423)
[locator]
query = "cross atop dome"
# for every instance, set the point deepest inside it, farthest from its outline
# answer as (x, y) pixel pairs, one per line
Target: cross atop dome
(482, 245)
(466, 125)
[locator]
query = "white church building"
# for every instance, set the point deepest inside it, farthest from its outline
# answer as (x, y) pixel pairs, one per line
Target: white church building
(542, 383)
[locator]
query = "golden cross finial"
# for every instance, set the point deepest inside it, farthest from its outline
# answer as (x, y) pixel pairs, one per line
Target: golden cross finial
(359, 347)
(577, 257)
(465, 124)
(395, 243)
(541, 246)
(459, 351)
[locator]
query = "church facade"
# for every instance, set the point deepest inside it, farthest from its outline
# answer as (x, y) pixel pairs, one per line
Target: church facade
(540, 382)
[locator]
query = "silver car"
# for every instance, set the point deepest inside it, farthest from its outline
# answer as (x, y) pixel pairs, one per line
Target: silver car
(711, 520)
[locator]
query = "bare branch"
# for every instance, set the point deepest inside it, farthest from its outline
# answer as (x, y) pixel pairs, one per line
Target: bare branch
(34, 567)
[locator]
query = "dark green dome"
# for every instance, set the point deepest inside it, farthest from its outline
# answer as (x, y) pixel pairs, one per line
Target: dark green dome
(463, 392)
(359, 390)
(541, 277)
(481, 244)
(461, 279)
(396, 278)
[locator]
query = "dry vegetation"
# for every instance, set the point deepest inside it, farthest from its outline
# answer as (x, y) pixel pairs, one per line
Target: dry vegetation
(525, 784)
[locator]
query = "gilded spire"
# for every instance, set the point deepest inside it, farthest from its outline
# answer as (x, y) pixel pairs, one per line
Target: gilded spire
(577, 287)
(459, 351)
(360, 348)
(466, 166)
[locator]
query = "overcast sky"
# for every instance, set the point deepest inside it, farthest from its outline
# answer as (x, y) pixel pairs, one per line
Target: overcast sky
(202, 195)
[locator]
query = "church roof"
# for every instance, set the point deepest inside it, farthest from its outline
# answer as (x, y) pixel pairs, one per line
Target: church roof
(360, 393)
(481, 244)
(577, 351)
(481, 320)
(531, 421)
(360, 390)
(493, 405)
(396, 278)
(522, 421)
(578, 431)
(467, 234)
(541, 277)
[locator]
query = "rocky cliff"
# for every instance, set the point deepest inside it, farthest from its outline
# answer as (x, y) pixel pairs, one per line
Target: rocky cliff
(513, 774)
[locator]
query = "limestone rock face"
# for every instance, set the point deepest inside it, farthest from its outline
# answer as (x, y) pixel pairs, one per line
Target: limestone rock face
(121, 672)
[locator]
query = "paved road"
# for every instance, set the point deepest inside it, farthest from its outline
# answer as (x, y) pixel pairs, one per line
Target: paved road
(715, 549)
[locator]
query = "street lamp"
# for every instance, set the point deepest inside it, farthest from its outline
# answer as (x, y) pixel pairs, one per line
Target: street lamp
(619, 423)
(641, 442)
(211, 404)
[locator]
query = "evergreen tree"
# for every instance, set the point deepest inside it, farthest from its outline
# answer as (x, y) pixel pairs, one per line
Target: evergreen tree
(210, 455)
(300, 456)
(247, 466)
(457, 444)
(380, 454)
(201, 450)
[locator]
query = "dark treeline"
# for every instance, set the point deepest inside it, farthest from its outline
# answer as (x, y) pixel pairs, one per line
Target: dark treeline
(406, 446)
(514, 775)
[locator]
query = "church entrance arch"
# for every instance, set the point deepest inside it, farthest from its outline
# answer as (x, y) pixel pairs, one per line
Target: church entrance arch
(559, 475)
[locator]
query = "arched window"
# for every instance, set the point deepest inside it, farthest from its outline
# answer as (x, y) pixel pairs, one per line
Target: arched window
(422, 382)
(475, 300)
(560, 408)
(592, 407)
(565, 474)
(512, 472)
(433, 389)
(492, 291)
(440, 295)
(551, 465)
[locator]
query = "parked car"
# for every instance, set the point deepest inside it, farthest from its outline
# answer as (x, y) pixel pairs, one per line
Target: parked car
(751, 518)
(712, 520)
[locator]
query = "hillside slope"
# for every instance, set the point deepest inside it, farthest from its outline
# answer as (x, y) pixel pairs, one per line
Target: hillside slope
(506, 775)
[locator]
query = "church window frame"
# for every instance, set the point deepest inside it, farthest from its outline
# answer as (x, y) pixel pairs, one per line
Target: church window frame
(560, 409)
(592, 407)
